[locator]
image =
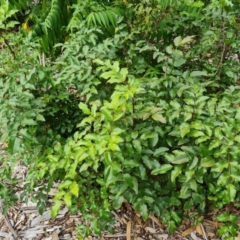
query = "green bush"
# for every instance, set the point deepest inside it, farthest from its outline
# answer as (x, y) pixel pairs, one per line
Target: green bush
(124, 116)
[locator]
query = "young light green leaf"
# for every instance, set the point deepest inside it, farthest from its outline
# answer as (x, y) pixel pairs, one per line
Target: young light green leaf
(107, 114)
(84, 108)
(56, 207)
(74, 188)
(223, 217)
(214, 144)
(68, 200)
(64, 184)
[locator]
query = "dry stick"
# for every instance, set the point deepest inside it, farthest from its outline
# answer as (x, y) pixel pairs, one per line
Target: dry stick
(129, 230)
(204, 233)
(116, 235)
(7, 222)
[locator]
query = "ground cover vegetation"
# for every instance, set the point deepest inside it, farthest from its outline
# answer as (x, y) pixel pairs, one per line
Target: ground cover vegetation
(118, 101)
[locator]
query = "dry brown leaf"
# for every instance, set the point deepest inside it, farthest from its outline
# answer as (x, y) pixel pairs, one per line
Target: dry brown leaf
(124, 220)
(152, 217)
(188, 231)
(199, 229)
(55, 236)
(137, 219)
(211, 235)
(215, 224)
(149, 229)
(129, 229)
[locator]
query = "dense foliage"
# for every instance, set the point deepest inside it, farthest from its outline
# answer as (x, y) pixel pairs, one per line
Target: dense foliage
(138, 101)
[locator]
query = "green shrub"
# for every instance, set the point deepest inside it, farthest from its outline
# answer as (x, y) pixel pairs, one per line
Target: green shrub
(124, 117)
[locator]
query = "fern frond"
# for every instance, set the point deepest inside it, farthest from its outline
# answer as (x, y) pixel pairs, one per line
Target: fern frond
(104, 18)
(50, 28)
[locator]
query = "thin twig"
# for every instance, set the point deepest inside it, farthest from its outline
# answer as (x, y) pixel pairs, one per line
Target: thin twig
(204, 233)
(116, 235)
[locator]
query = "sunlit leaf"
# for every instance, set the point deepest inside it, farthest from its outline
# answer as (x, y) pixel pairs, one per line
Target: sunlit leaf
(68, 200)
(74, 188)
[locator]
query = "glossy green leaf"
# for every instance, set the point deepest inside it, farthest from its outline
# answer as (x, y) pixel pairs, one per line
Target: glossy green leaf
(171, 226)
(147, 135)
(207, 162)
(117, 202)
(219, 166)
(189, 174)
(198, 73)
(160, 151)
(184, 191)
(137, 145)
(110, 175)
(231, 191)
(85, 166)
(183, 158)
(235, 177)
(223, 217)
(64, 184)
(194, 163)
(154, 140)
(184, 129)
(134, 134)
(131, 181)
(144, 211)
(107, 114)
(202, 139)
(223, 179)
(164, 168)
(176, 217)
(176, 172)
